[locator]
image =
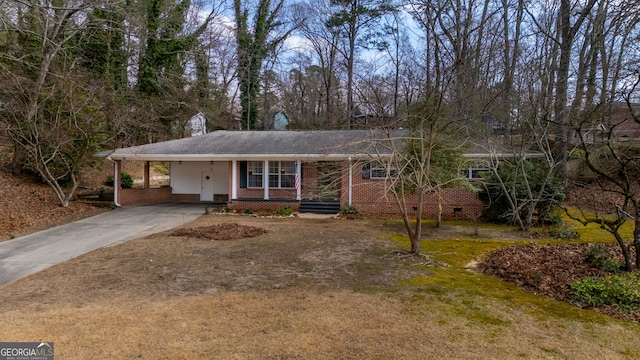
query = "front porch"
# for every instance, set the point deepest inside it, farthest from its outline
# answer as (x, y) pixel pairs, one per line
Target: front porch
(239, 185)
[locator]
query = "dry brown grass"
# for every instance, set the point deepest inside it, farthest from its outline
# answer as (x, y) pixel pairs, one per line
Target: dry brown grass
(319, 289)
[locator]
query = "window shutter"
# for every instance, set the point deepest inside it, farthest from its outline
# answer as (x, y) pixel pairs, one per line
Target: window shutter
(366, 171)
(243, 174)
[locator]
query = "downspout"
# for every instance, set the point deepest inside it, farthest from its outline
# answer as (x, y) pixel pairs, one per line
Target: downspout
(116, 184)
(350, 182)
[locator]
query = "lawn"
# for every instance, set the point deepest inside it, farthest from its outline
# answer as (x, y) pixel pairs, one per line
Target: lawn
(305, 288)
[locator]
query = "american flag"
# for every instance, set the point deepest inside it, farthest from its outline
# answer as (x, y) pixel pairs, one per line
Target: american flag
(297, 178)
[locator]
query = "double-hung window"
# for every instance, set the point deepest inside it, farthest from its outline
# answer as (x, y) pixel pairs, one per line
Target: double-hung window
(282, 174)
(378, 170)
(254, 174)
(475, 172)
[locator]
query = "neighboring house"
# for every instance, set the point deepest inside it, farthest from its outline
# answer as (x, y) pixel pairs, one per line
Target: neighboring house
(197, 125)
(617, 123)
(265, 170)
(280, 121)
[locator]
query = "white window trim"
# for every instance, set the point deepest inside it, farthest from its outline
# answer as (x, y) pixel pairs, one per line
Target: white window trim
(280, 174)
(256, 173)
(477, 169)
(376, 167)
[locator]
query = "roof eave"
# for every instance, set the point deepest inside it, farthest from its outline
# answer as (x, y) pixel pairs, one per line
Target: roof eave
(229, 157)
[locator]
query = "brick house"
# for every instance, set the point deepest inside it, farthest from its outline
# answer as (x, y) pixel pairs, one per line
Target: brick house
(265, 170)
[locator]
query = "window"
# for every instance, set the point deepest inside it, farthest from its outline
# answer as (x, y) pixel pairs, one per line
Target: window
(378, 170)
(475, 173)
(282, 174)
(254, 174)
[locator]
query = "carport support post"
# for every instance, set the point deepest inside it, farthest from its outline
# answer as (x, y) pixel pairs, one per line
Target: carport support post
(116, 182)
(146, 175)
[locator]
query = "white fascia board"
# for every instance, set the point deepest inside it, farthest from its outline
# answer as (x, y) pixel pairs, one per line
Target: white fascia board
(229, 157)
(503, 155)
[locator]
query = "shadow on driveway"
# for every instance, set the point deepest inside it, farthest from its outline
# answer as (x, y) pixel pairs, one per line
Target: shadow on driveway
(29, 254)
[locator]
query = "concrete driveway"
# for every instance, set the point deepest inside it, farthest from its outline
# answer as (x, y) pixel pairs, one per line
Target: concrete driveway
(29, 254)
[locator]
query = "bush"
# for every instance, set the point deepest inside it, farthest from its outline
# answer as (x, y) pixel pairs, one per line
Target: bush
(497, 207)
(285, 210)
(564, 233)
(349, 210)
(126, 181)
(598, 258)
(622, 291)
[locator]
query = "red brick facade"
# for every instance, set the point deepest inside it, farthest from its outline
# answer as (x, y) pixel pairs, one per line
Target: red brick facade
(144, 196)
(368, 196)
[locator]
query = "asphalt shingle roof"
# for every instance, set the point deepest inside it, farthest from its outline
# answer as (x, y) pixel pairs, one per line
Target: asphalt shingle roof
(236, 144)
(246, 145)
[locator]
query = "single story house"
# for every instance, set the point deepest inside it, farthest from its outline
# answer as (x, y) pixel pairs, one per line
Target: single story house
(266, 170)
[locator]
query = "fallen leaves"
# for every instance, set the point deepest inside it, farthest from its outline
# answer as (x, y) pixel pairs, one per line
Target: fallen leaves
(226, 231)
(549, 269)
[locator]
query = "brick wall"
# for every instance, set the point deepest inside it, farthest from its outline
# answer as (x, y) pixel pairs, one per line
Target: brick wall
(257, 205)
(369, 197)
(145, 196)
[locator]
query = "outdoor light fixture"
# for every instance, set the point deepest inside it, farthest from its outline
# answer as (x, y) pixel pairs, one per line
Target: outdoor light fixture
(250, 171)
(281, 171)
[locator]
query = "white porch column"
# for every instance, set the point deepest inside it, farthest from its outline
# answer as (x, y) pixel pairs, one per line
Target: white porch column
(234, 180)
(299, 180)
(350, 182)
(265, 179)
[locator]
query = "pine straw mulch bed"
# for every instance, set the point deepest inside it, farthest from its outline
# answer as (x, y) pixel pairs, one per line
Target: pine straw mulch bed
(225, 231)
(549, 269)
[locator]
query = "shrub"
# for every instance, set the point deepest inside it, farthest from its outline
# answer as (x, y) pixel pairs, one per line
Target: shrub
(285, 210)
(497, 207)
(622, 291)
(247, 211)
(598, 258)
(349, 210)
(564, 233)
(126, 181)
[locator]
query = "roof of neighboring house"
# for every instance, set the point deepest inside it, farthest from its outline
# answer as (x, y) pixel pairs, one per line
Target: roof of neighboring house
(273, 145)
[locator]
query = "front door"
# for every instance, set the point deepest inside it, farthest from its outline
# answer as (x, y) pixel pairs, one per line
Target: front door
(206, 191)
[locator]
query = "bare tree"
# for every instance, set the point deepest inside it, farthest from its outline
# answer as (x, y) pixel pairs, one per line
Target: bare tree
(426, 158)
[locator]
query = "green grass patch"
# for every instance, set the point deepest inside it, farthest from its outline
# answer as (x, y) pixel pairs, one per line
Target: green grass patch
(456, 287)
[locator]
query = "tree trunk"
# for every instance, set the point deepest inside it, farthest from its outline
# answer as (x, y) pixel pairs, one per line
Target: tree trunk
(417, 233)
(439, 210)
(19, 158)
(636, 241)
(628, 263)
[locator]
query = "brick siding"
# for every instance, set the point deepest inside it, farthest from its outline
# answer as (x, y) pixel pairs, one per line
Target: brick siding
(368, 196)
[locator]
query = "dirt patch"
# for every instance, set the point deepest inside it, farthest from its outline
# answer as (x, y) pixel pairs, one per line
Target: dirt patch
(226, 231)
(549, 269)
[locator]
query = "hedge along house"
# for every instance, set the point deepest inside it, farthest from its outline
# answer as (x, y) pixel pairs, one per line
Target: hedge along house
(308, 171)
